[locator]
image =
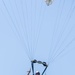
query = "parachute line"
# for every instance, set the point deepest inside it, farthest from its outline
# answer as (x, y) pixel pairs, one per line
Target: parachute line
(14, 25)
(64, 48)
(71, 10)
(50, 53)
(61, 33)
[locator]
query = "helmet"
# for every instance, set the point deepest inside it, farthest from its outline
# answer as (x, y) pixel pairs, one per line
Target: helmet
(37, 73)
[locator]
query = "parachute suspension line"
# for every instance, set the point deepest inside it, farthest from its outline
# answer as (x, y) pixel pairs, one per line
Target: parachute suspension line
(38, 29)
(35, 29)
(40, 23)
(26, 26)
(65, 27)
(25, 45)
(19, 30)
(32, 28)
(57, 42)
(31, 36)
(12, 22)
(46, 24)
(57, 28)
(17, 25)
(34, 48)
(63, 41)
(10, 17)
(70, 8)
(64, 48)
(34, 32)
(53, 33)
(31, 31)
(19, 17)
(23, 42)
(15, 17)
(33, 13)
(8, 22)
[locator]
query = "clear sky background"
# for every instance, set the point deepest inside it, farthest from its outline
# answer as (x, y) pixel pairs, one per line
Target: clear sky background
(29, 29)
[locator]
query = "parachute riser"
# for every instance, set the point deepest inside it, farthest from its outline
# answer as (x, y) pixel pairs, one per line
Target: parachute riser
(32, 65)
(44, 71)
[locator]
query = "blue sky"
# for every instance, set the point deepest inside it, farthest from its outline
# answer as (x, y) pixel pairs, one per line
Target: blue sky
(29, 29)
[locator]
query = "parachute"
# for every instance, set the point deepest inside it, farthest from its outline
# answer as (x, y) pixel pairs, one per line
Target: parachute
(42, 31)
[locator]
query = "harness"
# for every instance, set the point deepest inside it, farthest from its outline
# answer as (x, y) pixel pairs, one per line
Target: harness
(39, 62)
